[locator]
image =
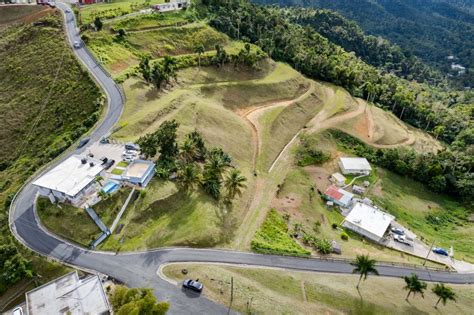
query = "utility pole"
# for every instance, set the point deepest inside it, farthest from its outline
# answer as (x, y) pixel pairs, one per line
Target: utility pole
(428, 252)
(231, 294)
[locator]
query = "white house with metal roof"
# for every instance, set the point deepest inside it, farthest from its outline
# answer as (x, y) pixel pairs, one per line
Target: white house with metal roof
(71, 180)
(354, 166)
(368, 221)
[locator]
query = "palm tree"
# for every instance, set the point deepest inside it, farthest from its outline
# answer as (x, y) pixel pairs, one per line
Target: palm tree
(413, 284)
(234, 183)
(199, 50)
(444, 293)
(189, 151)
(364, 265)
(188, 176)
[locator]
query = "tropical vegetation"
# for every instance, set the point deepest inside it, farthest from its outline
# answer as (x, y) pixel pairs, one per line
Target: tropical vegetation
(273, 238)
(126, 301)
(364, 266)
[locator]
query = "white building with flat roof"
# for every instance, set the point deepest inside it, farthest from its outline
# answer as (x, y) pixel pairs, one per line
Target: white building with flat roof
(354, 166)
(68, 295)
(71, 180)
(368, 221)
(139, 172)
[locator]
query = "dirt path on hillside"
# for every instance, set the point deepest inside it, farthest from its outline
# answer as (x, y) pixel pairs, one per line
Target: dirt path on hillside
(251, 116)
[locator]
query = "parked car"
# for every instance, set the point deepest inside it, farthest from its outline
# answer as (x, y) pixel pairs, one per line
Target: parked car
(68, 10)
(440, 251)
(403, 239)
(397, 231)
(18, 311)
(104, 160)
(128, 159)
(130, 153)
(83, 142)
(77, 44)
(104, 140)
(193, 285)
(109, 164)
(132, 146)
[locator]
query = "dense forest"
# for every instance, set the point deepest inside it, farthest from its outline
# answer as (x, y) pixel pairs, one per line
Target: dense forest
(429, 29)
(448, 116)
(373, 50)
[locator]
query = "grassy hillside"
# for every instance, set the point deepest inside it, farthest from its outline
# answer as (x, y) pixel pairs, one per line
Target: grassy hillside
(267, 291)
(47, 102)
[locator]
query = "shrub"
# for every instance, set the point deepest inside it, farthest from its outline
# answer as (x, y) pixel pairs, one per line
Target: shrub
(334, 226)
(273, 238)
(324, 246)
(344, 236)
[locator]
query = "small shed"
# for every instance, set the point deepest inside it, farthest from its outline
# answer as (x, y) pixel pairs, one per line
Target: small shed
(338, 179)
(339, 196)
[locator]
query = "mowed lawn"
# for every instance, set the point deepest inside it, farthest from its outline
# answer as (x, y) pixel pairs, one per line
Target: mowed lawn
(74, 223)
(432, 216)
(270, 291)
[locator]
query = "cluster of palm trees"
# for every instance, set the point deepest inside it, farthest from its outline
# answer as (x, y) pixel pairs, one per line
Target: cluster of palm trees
(212, 170)
(364, 266)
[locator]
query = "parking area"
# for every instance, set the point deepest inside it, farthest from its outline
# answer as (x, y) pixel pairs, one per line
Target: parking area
(418, 248)
(112, 151)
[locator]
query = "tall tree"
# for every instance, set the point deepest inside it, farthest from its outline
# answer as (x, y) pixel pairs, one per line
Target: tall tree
(413, 284)
(444, 293)
(188, 151)
(363, 266)
(188, 176)
(145, 68)
(98, 24)
(234, 183)
(199, 50)
(166, 139)
(136, 301)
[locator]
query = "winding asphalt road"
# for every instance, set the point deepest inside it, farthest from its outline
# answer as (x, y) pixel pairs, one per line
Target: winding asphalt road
(139, 269)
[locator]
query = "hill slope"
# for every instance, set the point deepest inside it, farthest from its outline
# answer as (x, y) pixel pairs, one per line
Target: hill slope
(46, 102)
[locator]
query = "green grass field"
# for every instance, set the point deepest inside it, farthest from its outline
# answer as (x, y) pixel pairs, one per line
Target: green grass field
(153, 20)
(119, 55)
(113, 9)
(270, 291)
(165, 216)
(74, 223)
(432, 216)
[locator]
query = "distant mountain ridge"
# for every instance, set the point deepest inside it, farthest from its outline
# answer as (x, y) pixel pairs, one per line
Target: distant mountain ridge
(429, 29)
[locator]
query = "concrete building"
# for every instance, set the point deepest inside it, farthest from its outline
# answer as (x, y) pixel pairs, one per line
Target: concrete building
(339, 196)
(71, 180)
(338, 179)
(368, 221)
(139, 172)
(68, 295)
(172, 5)
(354, 166)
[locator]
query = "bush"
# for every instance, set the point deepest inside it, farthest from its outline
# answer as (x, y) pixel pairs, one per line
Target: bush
(334, 226)
(307, 154)
(273, 238)
(324, 246)
(344, 236)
